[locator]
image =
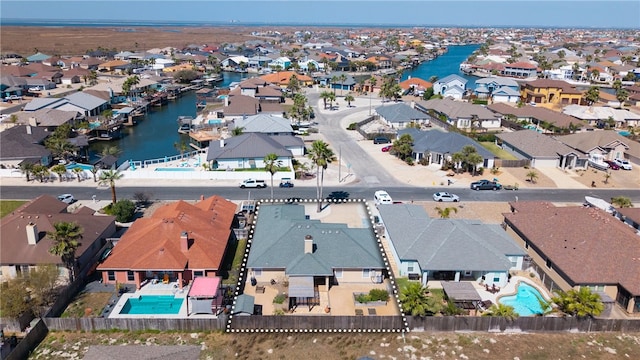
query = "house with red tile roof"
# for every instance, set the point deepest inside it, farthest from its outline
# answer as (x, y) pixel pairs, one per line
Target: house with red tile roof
(575, 246)
(179, 242)
(25, 243)
(282, 78)
(418, 85)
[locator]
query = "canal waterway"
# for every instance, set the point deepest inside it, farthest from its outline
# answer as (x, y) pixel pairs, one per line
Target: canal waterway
(445, 65)
(155, 136)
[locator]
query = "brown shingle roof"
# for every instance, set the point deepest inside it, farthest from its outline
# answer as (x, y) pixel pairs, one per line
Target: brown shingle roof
(586, 244)
(154, 243)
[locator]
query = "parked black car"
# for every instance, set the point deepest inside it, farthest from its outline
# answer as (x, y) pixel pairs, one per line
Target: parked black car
(485, 185)
(381, 140)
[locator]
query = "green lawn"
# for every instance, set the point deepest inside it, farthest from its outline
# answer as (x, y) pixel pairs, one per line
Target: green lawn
(7, 206)
(497, 151)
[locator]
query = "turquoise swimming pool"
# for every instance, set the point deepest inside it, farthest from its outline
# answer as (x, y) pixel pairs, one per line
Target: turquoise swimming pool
(81, 166)
(525, 301)
(175, 169)
(152, 304)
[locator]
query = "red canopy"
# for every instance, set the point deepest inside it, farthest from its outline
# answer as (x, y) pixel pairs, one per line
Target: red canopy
(204, 287)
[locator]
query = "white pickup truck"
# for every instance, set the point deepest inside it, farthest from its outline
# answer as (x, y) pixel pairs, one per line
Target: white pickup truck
(253, 183)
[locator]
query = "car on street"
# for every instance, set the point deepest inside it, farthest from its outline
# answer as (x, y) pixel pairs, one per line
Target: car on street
(612, 165)
(14, 97)
(286, 183)
(444, 196)
(382, 197)
(623, 164)
(66, 198)
(381, 140)
(485, 185)
(386, 148)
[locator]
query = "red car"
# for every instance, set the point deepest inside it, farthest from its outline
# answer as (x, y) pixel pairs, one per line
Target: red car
(612, 165)
(386, 148)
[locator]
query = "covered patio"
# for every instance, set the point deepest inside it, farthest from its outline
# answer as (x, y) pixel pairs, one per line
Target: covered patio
(462, 294)
(205, 296)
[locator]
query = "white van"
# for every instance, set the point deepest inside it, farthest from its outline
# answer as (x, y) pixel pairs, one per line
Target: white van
(382, 197)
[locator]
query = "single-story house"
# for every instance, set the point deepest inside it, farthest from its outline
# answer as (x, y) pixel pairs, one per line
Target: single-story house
(541, 150)
(25, 243)
(598, 116)
(400, 115)
(247, 151)
(576, 246)
(448, 249)
(178, 243)
(437, 146)
(462, 115)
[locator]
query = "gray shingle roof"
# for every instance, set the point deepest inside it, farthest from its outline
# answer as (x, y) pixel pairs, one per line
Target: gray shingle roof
(85, 101)
(16, 143)
(264, 123)
(400, 112)
(536, 145)
(278, 243)
(446, 244)
(442, 142)
(250, 145)
(457, 109)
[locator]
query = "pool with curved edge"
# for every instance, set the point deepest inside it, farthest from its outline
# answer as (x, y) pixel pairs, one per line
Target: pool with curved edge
(525, 301)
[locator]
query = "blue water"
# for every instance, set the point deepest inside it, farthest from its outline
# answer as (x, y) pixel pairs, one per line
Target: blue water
(525, 301)
(152, 304)
(81, 166)
(445, 65)
(175, 169)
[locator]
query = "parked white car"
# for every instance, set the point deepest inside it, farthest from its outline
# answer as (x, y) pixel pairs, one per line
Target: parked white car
(382, 197)
(624, 164)
(66, 198)
(445, 196)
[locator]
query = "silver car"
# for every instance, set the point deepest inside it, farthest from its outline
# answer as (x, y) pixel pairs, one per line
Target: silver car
(66, 198)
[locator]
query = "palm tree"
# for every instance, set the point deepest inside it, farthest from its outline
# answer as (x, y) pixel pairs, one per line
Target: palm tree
(621, 202)
(65, 243)
(532, 176)
(94, 170)
(446, 212)
(622, 95)
(501, 310)
(78, 171)
(607, 176)
(182, 147)
(271, 165)
(325, 95)
(27, 169)
(342, 78)
(414, 300)
(372, 82)
(59, 170)
(237, 131)
(321, 155)
(110, 177)
(349, 98)
(580, 303)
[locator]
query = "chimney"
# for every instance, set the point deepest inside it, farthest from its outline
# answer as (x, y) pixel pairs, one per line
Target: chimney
(184, 241)
(221, 143)
(29, 129)
(308, 244)
(33, 121)
(32, 234)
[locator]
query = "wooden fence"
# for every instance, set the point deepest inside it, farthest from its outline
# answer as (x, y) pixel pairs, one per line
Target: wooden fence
(130, 324)
(322, 323)
(512, 163)
(29, 342)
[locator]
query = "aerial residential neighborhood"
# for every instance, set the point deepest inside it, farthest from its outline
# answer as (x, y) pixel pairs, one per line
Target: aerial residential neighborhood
(320, 180)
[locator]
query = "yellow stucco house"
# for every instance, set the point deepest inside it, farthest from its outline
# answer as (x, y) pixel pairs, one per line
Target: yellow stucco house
(553, 92)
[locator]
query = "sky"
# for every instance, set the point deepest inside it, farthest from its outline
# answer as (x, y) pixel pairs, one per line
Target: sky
(512, 13)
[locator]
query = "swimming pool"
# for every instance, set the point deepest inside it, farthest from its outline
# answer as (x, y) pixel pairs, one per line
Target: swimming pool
(81, 166)
(175, 169)
(525, 302)
(152, 304)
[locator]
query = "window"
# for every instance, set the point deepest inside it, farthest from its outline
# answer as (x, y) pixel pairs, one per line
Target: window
(365, 273)
(548, 263)
(198, 273)
(130, 276)
(257, 272)
(111, 275)
(337, 273)
(410, 268)
(496, 279)
(514, 261)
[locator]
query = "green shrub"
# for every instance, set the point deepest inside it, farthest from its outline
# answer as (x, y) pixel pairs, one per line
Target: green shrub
(279, 299)
(352, 126)
(423, 162)
(379, 295)
(123, 210)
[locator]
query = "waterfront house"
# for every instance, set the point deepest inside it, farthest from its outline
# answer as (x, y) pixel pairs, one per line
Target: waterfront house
(113, 66)
(25, 243)
(247, 151)
(311, 255)
(453, 86)
(607, 143)
(177, 243)
(520, 69)
(448, 249)
(540, 119)
(415, 86)
(24, 143)
(263, 123)
(436, 146)
(576, 246)
(541, 150)
(401, 115)
(282, 78)
(462, 115)
(49, 118)
(497, 89)
(551, 92)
